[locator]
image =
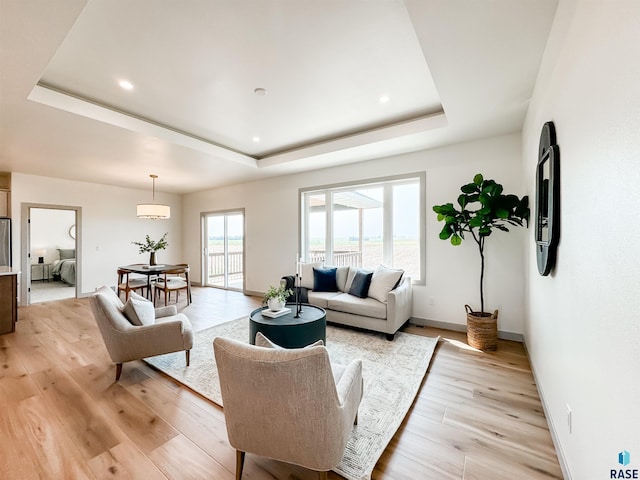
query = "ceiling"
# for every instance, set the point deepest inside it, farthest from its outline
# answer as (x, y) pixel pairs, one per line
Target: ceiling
(344, 81)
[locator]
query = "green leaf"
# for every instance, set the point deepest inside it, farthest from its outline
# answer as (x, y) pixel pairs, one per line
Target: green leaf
(484, 231)
(484, 199)
(502, 213)
(450, 219)
(484, 211)
(478, 179)
(476, 221)
(446, 232)
(441, 217)
(456, 240)
(469, 188)
(462, 200)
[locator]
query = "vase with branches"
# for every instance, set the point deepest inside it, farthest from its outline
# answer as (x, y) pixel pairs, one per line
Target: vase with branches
(151, 247)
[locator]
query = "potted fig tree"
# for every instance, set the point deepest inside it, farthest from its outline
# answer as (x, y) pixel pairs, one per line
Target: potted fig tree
(481, 207)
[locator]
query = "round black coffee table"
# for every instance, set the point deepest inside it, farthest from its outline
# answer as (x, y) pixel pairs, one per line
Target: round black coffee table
(288, 331)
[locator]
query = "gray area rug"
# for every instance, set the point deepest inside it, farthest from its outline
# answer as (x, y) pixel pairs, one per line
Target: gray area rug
(392, 372)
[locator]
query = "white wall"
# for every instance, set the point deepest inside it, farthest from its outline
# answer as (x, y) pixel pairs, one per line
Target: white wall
(109, 223)
(583, 321)
(452, 272)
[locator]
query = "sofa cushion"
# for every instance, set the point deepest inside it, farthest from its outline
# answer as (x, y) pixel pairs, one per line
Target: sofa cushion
(367, 307)
(306, 274)
(383, 281)
(360, 284)
(352, 274)
(341, 277)
(320, 299)
(324, 280)
(139, 311)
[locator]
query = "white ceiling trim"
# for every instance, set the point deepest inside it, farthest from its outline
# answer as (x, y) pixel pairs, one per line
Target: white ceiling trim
(70, 103)
(376, 135)
(53, 97)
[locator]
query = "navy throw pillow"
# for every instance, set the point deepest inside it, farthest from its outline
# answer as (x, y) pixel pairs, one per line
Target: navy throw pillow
(324, 280)
(360, 284)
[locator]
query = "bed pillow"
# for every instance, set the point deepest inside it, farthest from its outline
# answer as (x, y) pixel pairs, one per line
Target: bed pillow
(383, 281)
(324, 280)
(139, 311)
(67, 253)
(360, 284)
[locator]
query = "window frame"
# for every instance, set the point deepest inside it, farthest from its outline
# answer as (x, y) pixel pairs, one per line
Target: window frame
(387, 184)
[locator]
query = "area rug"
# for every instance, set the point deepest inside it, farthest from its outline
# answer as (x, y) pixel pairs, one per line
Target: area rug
(392, 373)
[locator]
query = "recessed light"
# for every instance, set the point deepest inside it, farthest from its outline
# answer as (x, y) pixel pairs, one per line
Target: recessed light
(260, 91)
(256, 139)
(126, 84)
(384, 99)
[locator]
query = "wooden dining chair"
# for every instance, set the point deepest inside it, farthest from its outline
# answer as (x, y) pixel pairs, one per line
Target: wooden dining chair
(126, 284)
(173, 281)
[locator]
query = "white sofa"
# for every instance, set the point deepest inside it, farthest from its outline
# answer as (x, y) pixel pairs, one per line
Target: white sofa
(369, 313)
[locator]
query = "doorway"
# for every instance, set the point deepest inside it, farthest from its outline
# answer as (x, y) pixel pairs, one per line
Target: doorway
(50, 255)
(223, 240)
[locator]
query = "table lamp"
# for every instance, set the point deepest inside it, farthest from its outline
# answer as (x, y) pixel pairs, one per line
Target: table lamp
(41, 254)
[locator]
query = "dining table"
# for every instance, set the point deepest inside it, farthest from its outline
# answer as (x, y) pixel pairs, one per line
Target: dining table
(151, 270)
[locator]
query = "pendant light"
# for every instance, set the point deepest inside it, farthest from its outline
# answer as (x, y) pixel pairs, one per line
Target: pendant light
(154, 210)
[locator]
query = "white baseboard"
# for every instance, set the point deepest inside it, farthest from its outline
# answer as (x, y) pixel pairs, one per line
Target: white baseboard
(564, 466)
(457, 327)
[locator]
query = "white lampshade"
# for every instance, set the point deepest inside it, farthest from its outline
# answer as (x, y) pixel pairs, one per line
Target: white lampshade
(154, 211)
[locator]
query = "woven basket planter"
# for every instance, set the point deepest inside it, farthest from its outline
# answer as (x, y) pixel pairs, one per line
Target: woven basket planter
(482, 329)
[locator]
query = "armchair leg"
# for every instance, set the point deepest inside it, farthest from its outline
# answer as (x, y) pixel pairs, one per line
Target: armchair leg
(322, 475)
(118, 371)
(188, 353)
(355, 420)
(239, 464)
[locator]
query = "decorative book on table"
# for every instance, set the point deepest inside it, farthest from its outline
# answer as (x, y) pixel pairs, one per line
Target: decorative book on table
(274, 314)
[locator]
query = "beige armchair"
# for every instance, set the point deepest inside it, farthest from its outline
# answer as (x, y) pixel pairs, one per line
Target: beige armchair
(171, 331)
(288, 405)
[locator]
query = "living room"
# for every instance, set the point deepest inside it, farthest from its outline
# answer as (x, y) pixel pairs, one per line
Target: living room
(579, 325)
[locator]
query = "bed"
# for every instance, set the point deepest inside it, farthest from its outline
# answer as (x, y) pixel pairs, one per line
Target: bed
(65, 268)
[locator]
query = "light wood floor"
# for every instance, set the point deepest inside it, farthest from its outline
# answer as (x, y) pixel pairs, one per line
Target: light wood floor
(477, 416)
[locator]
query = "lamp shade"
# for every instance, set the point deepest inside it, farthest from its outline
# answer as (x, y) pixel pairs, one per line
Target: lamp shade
(154, 211)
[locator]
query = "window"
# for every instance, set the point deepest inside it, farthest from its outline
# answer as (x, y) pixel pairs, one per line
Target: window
(377, 222)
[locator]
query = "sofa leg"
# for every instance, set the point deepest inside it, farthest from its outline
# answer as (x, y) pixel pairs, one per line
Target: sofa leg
(188, 353)
(118, 371)
(391, 336)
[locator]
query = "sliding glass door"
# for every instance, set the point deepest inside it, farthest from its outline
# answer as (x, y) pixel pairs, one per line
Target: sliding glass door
(223, 235)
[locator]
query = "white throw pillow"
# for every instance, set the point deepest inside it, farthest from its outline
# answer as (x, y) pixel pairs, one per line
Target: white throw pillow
(383, 281)
(139, 311)
(306, 271)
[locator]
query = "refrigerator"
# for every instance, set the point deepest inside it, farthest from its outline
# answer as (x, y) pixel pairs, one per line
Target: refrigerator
(5, 242)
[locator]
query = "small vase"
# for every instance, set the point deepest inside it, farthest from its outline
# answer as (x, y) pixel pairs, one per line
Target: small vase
(275, 304)
(152, 258)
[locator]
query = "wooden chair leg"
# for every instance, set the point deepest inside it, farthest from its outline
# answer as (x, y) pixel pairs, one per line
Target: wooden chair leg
(239, 464)
(322, 475)
(188, 352)
(118, 371)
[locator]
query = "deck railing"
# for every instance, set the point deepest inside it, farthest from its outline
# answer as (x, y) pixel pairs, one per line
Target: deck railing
(340, 259)
(217, 267)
